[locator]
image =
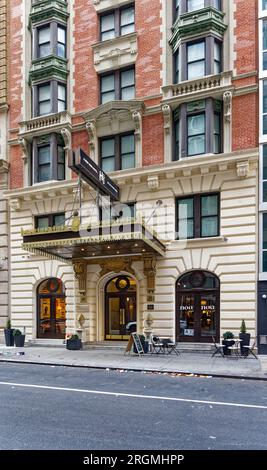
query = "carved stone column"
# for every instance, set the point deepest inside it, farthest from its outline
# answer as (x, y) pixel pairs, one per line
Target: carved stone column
(91, 129)
(80, 270)
(150, 263)
(227, 100)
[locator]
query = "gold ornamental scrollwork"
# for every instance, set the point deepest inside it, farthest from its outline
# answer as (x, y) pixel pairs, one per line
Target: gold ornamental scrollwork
(150, 270)
(116, 266)
(80, 270)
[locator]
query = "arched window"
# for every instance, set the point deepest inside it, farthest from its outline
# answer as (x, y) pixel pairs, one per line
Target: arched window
(198, 306)
(51, 309)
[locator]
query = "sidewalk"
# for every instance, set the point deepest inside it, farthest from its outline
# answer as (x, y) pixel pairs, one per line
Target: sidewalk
(189, 363)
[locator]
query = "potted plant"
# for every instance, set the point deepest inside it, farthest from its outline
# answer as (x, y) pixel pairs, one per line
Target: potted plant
(245, 338)
(73, 343)
(226, 336)
(9, 338)
(19, 338)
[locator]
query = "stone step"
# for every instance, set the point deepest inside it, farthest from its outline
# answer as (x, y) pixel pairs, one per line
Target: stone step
(50, 343)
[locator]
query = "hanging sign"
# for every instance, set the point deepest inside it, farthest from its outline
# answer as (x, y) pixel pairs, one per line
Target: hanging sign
(90, 172)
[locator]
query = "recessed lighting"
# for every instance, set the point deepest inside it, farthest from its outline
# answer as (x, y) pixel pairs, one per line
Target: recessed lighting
(143, 250)
(109, 247)
(83, 249)
(136, 244)
(93, 254)
(118, 252)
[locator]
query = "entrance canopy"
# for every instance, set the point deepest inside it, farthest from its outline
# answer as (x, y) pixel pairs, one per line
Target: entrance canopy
(99, 241)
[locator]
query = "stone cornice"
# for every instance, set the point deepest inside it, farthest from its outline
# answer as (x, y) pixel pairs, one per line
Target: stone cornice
(40, 191)
(131, 106)
(47, 10)
(115, 53)
(47, 68)
(4, 166)
(103, 5)
(206, 20)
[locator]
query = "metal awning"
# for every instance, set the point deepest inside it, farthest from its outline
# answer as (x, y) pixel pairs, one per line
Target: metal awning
(105, 240)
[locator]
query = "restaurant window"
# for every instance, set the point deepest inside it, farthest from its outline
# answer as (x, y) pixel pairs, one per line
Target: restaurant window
(197, 129)
(50, 220)
(49, 97)
(48, 158)
(49, 39)
(198, 306)
(117, 23)
(117, 152)
(119, 85)
(198, 216)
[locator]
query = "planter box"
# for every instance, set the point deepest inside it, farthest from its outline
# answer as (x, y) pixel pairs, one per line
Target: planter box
(226, 351)
(9, 338)
(74, 344)
(245, 342)
(19, 340)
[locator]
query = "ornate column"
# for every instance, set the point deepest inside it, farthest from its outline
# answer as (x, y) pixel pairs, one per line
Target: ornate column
(227, 100)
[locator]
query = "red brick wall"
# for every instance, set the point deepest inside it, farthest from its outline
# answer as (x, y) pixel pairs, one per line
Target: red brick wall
(153, 140)
(15, 89)
(246, 36)
(245, 122)
(16, 167)
(148, 66)
(85, 34)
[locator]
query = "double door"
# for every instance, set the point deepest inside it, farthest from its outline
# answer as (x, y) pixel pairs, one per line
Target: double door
(51, 316)
(198, 316)
(120, 311)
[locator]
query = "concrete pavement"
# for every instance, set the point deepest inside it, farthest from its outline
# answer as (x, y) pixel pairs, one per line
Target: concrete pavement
(189, 363)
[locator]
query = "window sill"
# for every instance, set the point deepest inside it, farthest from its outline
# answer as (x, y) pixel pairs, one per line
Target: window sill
(197, 241)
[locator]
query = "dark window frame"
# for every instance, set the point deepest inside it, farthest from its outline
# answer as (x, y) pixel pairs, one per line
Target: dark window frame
(117, 147)
(50, 217)
(132, 206)
(54, 25)
(197, 215)
(117, 21)
(117, 83)
(53, 141)
(53, 97)
(208, 3)
(210, 113)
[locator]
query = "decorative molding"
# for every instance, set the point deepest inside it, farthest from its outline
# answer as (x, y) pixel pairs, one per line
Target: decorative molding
(242, 169)
(25, 148)
(150, 264)
(45, 125)
(15, 204)
(66, 134)
(227, 99)
(117, 52)
(137, 119)
(48, 68)
(153, 183)
(91, 129)
(166, 111)
(80, 270)
(116, 265)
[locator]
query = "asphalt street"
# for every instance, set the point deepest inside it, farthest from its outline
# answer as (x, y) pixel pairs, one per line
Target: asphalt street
(48, 407)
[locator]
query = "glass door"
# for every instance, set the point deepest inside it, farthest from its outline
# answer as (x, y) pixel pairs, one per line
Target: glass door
(120, 310)
(208, 315)
(52, 317)
(187, 315)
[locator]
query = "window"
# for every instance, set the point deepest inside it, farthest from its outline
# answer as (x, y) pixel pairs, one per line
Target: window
(117, 23)
(264, 243)
(264, 107)
(50, 220)
(197, 129)
(193, 5)
(196, 60)
(119, 85)
(118, 152)
(198, 216)
(44, 46)
(217, 57)
(264, 173)
(264, 4)
(176, 9)
(61, 41)
(49, 39)
(49, 98)
(48, 158)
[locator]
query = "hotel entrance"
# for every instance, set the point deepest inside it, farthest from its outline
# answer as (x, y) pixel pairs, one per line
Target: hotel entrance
(198, 307)
(120, 307)
(51, 309)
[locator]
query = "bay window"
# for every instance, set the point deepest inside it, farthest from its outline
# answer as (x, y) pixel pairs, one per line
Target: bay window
(48, 158)
(49, 97)
(49, 39)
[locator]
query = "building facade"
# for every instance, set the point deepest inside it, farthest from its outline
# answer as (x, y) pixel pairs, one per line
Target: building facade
(163, 96)
(3, 166)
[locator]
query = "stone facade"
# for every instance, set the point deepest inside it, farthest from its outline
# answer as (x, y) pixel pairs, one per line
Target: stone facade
(233, 173)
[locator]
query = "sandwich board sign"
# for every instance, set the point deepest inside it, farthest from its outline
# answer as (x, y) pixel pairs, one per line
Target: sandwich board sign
(136, 340)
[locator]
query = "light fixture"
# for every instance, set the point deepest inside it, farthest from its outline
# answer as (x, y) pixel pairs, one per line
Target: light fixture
(108, 247)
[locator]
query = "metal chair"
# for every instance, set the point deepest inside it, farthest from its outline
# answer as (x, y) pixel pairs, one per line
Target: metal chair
(250, 350)
(172, 347)
(219, 348)
(157, 345)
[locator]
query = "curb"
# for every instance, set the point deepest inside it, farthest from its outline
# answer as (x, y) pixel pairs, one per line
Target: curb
(130, 369)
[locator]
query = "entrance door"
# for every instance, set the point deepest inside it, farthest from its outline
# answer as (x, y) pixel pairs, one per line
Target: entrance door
(198, 313)
(51, 318)
(120, 309)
